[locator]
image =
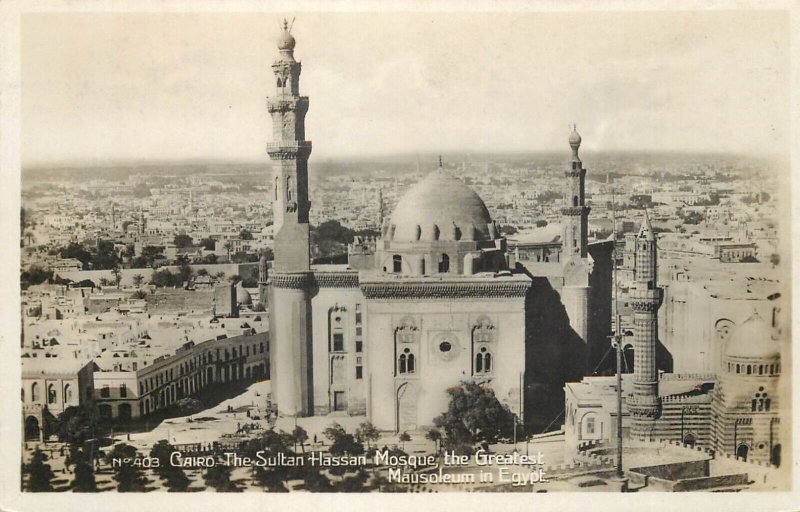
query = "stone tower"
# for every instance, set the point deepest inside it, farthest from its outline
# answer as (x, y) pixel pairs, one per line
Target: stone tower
(575, 212)
(288, 292)
(577, 263)
(646, 298)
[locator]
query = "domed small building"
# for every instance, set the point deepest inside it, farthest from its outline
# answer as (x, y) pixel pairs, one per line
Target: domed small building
(745, 401)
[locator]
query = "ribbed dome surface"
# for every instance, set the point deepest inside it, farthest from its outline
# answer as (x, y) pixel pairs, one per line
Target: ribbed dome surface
(754, 338)
(432, 208)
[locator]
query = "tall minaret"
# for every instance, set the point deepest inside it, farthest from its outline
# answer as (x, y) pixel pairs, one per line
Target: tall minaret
(289, 286)
(289, 152)
(646, 298)
(575, 212)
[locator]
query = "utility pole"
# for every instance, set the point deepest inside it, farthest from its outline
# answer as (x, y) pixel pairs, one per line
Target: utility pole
(616, 342)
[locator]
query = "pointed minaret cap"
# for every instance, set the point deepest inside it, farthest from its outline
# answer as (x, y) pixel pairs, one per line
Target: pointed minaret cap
(646, 231)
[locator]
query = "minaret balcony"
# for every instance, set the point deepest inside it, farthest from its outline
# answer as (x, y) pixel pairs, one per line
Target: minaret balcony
(288, 150)
(574, 211)
(287, 103)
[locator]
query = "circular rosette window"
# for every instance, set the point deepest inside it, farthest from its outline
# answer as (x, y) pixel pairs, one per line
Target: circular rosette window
(446, 347)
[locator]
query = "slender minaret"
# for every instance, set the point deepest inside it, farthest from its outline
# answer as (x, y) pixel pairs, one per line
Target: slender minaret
(288, 291)
(575, 293)
(380, 210)
(263, 277)
(289, 153)
(575, 212)
(645, 297)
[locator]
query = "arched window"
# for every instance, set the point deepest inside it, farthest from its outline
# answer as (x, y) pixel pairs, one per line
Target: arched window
(444, 263)
(574, 200)
(288, 188)
(23, 394)
(479, 363)
(35, 392)
(487, 363)
(401, 367)
(411, 366)
(51, 394)
(276, 188)
(67, 394)
(397, 263)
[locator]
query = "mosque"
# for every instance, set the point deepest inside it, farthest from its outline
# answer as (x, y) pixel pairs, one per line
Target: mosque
(437, 300)
(735, 410)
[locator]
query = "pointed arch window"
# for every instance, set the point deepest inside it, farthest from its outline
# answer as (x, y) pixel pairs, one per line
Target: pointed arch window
(289, 188)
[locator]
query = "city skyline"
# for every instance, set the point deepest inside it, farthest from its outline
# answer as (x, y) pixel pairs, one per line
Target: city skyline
(163, 102)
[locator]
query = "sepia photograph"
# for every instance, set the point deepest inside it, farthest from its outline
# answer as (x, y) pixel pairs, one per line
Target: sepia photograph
(434, 248)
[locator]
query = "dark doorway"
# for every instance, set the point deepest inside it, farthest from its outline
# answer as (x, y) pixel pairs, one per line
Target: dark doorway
(31, 428)
(339, 401)
(775, 458)
(741, 452)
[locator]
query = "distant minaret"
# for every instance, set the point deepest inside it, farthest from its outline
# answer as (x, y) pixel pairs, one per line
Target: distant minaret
(263, 277)
(575, 212)
(113, 217)
(380, 210)
(645, 298)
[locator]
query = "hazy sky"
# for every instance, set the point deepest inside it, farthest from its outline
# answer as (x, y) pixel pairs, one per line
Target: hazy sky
(100, 87)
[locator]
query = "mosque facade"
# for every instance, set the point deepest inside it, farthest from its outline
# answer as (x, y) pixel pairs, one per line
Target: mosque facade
(436, 301)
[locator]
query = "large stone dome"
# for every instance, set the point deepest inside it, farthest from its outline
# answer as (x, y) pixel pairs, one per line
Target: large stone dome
(440, 207)
(753, 339)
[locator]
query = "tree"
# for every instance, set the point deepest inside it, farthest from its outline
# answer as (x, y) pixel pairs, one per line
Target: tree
(78, 424)
(541, 223)
(228, 245)
(219, 477)
(182, 241)
(300, 436)
(749, 259)
(367, 432)
(84, 480)
(138, 279)
(78, 252)
(434, 435)
(508, 230)
(246, 235)
(128, 476)
(39, 473)
(184, 269)
(208, 244)
(404, 437)
(473, 415)
(34, 275)
(175, 477)
(210, 259)
(164, 278)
